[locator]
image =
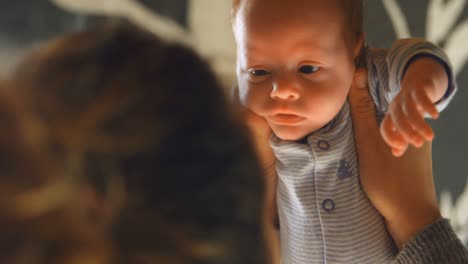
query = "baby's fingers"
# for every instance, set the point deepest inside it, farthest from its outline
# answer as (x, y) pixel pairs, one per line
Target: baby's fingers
(421, 98)
(391, 135)
(398, 152)
(417, 120)
(405, 127)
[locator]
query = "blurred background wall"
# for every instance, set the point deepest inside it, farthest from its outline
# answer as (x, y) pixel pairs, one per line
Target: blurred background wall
(206, 25)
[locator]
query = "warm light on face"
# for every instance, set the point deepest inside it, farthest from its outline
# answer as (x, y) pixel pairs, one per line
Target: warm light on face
(294, 68)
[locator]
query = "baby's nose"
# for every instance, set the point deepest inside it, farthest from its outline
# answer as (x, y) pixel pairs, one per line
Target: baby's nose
(285, 91)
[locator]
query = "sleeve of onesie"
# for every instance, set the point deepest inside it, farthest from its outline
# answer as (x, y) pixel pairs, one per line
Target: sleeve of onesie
(386, 69)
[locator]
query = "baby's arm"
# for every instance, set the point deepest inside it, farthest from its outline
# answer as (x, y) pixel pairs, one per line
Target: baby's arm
(424, 84)
(419, 84)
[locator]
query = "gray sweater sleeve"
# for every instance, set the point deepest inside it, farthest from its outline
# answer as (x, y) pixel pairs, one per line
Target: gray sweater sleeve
(437, 243)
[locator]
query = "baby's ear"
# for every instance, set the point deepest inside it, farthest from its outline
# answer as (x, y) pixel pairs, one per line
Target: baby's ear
(358, 43)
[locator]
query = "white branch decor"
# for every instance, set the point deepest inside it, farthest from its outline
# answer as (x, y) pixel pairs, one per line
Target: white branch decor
(441, 17)
(456, 47)
(398, 19)
(133, 11)
(457, 213)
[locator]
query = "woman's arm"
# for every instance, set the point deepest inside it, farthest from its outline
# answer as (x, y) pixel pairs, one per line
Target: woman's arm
(402, 189)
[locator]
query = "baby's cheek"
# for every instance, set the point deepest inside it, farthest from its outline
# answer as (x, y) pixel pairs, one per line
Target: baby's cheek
(254, 97)
(244, 93)
(334, 92)
(324, 104)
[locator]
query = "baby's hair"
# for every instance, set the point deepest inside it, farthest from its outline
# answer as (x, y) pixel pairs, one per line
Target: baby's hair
(355, 13)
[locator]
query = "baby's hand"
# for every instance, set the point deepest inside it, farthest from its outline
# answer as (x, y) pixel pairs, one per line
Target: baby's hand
(404, 124)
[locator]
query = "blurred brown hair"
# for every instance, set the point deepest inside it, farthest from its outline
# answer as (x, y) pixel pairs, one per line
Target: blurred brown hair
(122, 106)
(37, 222)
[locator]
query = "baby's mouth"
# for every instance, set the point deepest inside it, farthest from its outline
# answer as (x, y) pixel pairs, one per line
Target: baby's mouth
(286, 119)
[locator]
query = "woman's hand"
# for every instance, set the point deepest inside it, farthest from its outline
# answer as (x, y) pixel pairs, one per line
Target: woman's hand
(402, 189)
(260, 133)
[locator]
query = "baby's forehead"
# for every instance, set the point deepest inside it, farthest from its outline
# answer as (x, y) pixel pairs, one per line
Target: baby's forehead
(275, 13)
(270, 18)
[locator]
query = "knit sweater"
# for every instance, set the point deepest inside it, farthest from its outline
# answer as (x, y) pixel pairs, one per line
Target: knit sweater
(436, 244)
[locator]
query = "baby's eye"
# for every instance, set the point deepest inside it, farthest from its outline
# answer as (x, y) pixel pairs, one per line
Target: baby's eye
(259, 73)
(308, 69)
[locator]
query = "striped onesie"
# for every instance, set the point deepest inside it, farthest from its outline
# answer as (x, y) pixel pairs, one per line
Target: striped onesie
(325, 216)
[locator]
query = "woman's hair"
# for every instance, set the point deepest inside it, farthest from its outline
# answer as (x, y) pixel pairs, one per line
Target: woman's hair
(38, 223)
(354, 9)
(147, 124)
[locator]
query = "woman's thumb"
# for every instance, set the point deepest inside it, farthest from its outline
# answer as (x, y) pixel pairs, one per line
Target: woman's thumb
(362, 105)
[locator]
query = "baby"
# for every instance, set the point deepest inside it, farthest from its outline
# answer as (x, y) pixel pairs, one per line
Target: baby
(295, 65)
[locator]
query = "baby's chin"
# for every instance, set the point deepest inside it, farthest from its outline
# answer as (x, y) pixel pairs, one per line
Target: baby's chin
(289, 137)
(301, 130)
(292, 133)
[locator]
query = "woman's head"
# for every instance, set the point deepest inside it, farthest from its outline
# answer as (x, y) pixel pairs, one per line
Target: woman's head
(39, 221)
(122, 106)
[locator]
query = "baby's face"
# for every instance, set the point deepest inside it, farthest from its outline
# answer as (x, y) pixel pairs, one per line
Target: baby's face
(295, 62)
